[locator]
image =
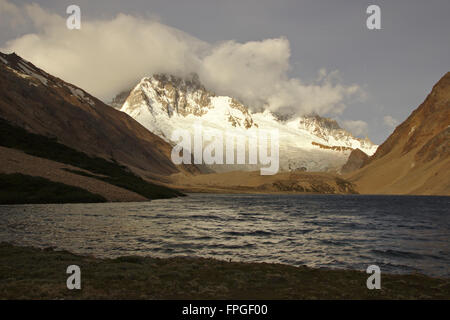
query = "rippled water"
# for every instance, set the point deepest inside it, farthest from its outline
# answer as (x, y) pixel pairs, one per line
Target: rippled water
(398, 233)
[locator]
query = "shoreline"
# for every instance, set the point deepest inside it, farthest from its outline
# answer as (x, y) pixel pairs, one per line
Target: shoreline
(188, 192)
(251, 182)
(33, 273)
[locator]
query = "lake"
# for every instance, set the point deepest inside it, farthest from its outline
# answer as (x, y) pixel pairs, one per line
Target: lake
(400, 234)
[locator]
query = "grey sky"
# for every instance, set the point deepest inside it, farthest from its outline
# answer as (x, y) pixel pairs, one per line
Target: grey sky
(397, 66)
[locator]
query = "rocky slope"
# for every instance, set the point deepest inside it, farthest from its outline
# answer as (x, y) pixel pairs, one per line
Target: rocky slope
(54, 130)
(164, 103)
(46, 105)
(415, 159)
(355, 161)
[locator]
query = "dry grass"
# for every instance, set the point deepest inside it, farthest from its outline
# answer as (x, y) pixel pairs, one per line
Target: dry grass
(30, 273)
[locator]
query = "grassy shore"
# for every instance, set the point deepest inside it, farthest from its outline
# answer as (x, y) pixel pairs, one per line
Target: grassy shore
(30, 273)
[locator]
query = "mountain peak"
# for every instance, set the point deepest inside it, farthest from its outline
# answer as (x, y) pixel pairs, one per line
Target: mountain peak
(190, 82)
(168, 94)
(163, 103)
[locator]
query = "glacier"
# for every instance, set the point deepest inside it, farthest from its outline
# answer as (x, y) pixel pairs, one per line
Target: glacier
(163, 103)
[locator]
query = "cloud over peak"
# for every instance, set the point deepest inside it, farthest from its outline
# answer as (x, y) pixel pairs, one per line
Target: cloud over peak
(108, 56)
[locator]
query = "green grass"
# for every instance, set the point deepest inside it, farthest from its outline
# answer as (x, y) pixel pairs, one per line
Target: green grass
(48, 148)
(19, 189)
(30, 273)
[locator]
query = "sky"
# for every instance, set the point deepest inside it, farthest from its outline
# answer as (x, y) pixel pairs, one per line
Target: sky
(287, 56)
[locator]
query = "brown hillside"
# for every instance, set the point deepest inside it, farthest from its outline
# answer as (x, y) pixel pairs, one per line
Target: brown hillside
(46, 105)
(355, 161)
(415, 159)
(15, 161)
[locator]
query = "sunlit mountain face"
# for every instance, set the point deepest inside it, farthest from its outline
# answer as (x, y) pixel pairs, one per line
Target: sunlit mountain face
(163, 103)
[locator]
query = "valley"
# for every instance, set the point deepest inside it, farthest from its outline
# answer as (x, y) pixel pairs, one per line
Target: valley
(128, 155)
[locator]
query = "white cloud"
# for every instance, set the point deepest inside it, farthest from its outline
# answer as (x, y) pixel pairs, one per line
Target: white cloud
(10, 14)
(390, 121)
(356, 127)
(107, 56)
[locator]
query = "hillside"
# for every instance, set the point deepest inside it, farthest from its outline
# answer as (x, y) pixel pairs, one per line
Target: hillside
(355, 161)
(39, 156)
(18, 189)
(415, 159)
(45, 105)
(53, 130)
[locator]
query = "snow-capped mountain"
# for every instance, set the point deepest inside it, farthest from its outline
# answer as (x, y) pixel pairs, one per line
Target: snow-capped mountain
(164, 103)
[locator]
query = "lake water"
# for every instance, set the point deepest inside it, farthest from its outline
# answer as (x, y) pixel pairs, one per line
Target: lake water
(400, 234)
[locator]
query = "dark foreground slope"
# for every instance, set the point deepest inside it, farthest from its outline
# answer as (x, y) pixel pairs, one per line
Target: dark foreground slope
(72, 166)
(18, 189)
(29, 273)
